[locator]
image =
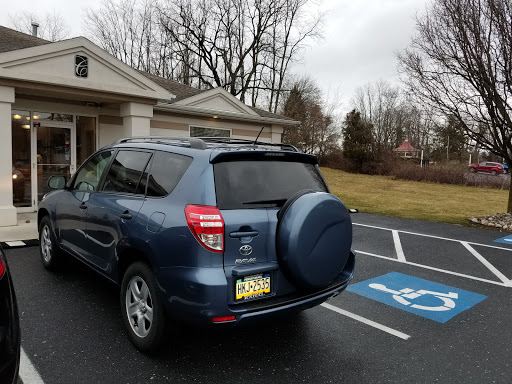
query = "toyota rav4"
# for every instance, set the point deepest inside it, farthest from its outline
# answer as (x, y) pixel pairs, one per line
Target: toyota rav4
(204, 231)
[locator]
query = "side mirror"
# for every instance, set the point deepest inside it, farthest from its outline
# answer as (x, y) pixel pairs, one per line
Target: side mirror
(57, 182)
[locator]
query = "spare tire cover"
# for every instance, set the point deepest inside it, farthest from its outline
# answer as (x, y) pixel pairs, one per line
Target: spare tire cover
(314, 237)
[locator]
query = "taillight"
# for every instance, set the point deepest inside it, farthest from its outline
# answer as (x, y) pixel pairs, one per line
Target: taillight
(207, 225)
(2, 267)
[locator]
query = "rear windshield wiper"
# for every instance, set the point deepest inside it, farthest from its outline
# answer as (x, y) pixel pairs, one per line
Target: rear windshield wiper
(278, 201)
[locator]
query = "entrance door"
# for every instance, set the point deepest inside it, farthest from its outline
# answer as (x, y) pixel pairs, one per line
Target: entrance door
(54, 155)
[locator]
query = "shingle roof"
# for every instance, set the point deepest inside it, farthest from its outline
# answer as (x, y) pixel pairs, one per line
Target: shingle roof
(11, 40)
(181, 91)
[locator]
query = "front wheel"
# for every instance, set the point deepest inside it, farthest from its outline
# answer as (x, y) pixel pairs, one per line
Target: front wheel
(48, 248)
(494, 173)
(143, 314)
(472, 170)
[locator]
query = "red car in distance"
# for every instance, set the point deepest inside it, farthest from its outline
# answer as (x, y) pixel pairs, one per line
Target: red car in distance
(487, 166)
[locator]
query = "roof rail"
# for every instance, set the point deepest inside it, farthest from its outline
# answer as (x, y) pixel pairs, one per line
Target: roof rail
(200, 142)
(194, 142)
(232, 140)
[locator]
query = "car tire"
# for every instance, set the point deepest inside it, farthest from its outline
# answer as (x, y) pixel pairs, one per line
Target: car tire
(494, 173)
(472, 170)
(141, 309)
(49, 250)
(313, 240)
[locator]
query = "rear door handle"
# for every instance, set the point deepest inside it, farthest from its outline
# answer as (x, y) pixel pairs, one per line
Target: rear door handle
(244, 234)
(83, 206)
(125, 215)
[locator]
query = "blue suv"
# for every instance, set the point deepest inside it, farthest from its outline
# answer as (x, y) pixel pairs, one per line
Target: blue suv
(205, 231)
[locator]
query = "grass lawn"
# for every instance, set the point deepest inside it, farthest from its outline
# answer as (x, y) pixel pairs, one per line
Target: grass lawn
(414, 200)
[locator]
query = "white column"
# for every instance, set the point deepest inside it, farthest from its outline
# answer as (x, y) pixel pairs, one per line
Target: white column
(136, 118)
(277, 132)
(7, 209)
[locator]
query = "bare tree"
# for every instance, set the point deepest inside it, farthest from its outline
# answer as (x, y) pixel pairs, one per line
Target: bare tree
(320, 129)
(460, 64)
(378, 104)
(245, 46)
(52, 26)
(130, 31)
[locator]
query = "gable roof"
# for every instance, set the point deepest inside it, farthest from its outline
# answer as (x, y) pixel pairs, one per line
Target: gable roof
(183, 92)
(11, 40)
(405, 147)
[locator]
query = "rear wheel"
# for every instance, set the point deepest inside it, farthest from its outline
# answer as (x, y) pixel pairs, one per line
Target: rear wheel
(472, 170)
(143, 314)
(48, 249)
(494, 173)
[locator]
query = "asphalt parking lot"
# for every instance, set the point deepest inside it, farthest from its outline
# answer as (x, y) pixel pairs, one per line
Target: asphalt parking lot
(429, 303)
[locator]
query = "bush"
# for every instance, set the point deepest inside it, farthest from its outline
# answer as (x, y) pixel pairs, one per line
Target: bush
(449, 174)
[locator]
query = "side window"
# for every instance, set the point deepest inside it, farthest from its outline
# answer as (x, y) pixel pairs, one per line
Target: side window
(125, 172)
(90, 174)
(167, 169)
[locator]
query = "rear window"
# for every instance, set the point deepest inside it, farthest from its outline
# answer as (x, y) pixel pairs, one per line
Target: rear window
(256, 184)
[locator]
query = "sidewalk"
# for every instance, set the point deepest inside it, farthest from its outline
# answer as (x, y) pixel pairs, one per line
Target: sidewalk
(25, 230)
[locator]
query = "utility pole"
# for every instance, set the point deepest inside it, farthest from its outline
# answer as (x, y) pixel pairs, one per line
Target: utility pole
(448, 149)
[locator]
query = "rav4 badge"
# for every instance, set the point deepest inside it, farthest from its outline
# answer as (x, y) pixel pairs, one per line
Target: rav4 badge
(245, 261)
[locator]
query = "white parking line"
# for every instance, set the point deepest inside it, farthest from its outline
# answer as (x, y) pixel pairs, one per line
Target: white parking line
(432, 268)
(489, 266)
(434, 237)
(371, 323)
(28, 373)
(398, 246)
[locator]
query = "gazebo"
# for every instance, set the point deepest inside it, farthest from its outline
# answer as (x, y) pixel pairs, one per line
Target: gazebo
(407, 151)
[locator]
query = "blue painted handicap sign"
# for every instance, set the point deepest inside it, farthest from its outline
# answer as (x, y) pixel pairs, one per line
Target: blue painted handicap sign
(425, 298)
(505, 240)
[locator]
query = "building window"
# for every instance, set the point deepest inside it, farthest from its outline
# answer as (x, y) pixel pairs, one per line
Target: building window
(209, 132)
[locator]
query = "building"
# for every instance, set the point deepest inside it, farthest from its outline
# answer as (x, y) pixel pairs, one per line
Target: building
(407, 151)
(61, 101)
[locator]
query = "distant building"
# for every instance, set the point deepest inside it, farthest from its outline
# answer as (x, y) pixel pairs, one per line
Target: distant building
(407, 151)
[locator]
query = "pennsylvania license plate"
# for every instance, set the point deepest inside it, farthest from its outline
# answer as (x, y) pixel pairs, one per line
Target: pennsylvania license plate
(253, 286)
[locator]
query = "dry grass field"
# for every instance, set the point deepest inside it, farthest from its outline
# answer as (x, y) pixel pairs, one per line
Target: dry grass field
(414, 200)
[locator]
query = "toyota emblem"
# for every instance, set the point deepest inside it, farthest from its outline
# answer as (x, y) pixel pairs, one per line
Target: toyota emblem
(245, 250)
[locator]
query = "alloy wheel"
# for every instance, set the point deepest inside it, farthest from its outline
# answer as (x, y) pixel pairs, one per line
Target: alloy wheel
(139, 306)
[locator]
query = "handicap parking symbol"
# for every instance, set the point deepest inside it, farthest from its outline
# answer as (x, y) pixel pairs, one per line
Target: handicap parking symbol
(505, 240)
(425, 298)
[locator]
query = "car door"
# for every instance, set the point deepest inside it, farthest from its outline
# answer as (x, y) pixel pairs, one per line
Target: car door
(111, 213)
(70, 212)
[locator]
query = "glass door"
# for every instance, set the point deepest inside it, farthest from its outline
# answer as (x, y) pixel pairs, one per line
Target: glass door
(54, 156)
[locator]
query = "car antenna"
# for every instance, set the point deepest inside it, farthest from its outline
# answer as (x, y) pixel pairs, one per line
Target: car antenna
(257, 137)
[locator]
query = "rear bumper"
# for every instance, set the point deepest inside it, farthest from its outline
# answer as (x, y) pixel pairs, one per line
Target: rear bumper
(196, 295)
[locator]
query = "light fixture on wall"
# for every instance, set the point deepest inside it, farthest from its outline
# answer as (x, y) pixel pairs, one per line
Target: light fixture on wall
(26, 126)
(215, 116)
(28, 117)
(36, 117)
(17, 117)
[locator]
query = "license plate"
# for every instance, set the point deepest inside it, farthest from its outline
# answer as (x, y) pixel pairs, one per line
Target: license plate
(253, 286)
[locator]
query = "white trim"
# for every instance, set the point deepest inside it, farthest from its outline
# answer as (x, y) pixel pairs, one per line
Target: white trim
(193, 101)
(203, 112)
(143, 86)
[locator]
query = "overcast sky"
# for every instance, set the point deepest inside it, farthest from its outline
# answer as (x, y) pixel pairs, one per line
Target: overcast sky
(360, 41)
